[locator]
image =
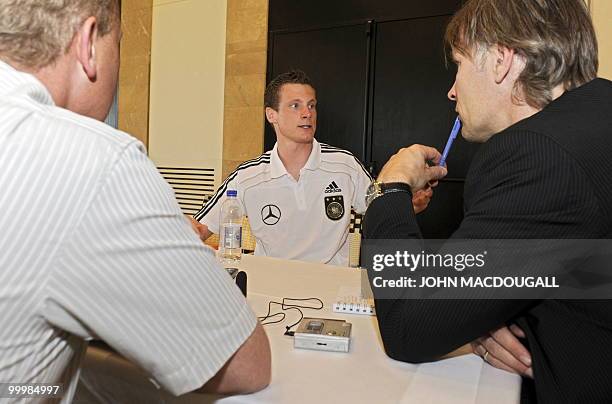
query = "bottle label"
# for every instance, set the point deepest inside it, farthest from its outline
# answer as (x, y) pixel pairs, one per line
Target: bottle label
(232, 236)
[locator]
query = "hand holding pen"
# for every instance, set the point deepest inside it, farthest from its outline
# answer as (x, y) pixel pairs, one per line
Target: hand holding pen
(407, 165)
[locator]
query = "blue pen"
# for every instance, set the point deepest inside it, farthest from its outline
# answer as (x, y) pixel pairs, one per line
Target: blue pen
(450, 140)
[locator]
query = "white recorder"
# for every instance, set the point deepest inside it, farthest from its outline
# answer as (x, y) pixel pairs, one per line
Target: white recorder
(323, 334)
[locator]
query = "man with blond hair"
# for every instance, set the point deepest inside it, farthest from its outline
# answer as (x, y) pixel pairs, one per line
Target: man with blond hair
(93, 242)
(526, 88)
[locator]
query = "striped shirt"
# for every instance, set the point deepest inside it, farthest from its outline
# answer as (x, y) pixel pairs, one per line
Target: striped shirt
(94, 245)
(304, 220)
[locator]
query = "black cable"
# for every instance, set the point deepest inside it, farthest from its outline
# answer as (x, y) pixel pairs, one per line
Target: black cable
(297, 307)
(275, 321)
(285, 306)
(287, 328)
(303, 300)
(268, 315)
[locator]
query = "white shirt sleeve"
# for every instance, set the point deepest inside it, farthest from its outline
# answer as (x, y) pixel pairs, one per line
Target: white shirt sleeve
(134, 274)
(209, 214)
(363, 180)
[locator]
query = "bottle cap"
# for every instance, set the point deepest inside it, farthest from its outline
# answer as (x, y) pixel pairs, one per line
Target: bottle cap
(232, 192)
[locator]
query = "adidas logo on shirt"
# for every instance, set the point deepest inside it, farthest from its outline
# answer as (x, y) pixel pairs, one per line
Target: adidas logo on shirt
(332, 188)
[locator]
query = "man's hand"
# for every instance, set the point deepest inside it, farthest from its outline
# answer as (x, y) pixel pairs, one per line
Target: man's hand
(505, 351)
(421, 198)
(200, 229)
(409, 165)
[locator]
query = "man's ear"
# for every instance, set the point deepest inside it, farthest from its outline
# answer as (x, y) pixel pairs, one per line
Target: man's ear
(85, 42)
(504, 62)
(271, 115)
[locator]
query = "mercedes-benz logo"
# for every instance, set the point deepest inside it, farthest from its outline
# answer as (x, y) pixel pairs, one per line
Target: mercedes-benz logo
(270, 214)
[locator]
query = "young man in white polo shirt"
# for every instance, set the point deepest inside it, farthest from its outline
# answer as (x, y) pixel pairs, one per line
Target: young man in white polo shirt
(298, 196)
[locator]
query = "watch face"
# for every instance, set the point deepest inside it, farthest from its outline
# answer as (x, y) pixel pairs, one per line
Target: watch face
(372, 192)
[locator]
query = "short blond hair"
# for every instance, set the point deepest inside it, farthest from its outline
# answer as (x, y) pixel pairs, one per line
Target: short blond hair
(556, 38)
(34, 33)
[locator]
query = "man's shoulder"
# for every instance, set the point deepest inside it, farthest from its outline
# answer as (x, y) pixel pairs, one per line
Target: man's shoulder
(583, 109)
(333, 153)
(64, 133)
(251, 168)
(517, 146)
(32, 112)
(337, 159)
(84, 129)
(250, 172)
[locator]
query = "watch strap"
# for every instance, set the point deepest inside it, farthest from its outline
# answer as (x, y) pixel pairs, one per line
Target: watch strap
(386, 187)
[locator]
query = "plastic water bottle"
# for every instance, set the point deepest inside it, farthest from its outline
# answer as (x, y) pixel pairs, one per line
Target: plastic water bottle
(230, 229)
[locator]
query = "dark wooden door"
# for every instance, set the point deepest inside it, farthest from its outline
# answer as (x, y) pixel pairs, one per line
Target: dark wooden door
(335, 59)
(410, 105)
(381, 80)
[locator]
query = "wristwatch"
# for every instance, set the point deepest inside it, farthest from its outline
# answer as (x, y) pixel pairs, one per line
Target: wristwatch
(377, 189)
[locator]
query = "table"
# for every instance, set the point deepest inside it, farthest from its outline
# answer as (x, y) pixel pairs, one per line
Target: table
(364, 375)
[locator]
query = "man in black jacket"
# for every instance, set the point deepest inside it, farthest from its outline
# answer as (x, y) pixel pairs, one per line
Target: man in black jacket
(526, 88)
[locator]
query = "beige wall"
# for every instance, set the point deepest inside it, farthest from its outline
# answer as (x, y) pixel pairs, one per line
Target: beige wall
(134, 73)
(602, 18)
(245, 80)
(187, 83)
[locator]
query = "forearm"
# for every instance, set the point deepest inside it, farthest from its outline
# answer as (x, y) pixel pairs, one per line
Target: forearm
(418, 331)
(247, 371)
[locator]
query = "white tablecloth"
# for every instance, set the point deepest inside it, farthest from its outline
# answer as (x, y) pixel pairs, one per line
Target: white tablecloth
(364, 375)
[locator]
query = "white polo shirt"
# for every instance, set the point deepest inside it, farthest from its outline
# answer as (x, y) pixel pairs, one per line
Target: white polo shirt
(304, 220)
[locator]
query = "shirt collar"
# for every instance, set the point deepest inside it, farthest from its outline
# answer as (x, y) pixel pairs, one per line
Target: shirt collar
(17, 83)
(277, 168)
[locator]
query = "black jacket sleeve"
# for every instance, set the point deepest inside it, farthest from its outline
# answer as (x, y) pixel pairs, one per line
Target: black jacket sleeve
(520, 185)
